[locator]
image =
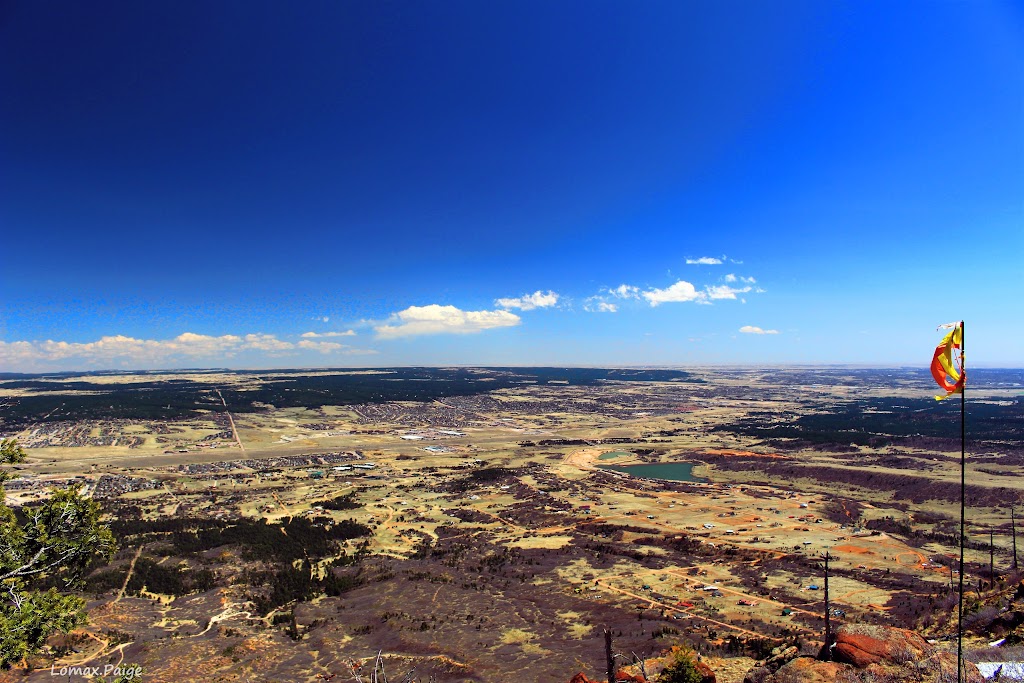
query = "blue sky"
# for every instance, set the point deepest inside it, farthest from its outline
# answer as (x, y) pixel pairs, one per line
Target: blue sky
(602, 183)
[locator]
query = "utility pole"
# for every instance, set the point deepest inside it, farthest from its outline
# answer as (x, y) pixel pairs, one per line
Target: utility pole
(960, 671)
(991, 560)
(609, 657)
(1013, 530)
(942, 369)
(828, 615)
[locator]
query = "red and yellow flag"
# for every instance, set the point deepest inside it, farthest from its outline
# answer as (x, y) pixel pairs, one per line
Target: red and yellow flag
(948, 377)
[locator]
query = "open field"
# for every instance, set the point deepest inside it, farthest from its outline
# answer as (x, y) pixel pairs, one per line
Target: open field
(471, 531)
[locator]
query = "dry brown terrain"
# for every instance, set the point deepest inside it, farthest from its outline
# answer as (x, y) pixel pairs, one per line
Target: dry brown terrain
(501, 547)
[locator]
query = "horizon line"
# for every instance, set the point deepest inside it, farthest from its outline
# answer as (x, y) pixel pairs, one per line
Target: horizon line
(605, 366)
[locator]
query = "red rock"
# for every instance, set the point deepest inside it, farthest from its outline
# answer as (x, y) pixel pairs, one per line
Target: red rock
(628, 678)
(581, 678)
(808, 670)
(865, 653)
(861, 645)
(706, 672)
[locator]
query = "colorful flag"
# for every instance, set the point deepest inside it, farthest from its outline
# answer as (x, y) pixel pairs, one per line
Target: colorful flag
(948, 377)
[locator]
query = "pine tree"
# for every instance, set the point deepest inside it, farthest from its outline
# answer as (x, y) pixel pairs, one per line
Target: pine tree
(681, 669)
(52, 542)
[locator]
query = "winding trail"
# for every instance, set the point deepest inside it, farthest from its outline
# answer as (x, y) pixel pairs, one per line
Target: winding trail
(103, 651)
(128, 576)
(224, 616)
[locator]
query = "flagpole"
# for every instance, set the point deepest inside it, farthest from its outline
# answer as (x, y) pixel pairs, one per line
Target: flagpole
(963, 518)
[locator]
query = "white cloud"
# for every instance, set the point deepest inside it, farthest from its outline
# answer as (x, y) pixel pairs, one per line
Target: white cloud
(122, 348)
(436, 319)
(266, 342)
(317, 335)
(124, 351)
(322, 347)
(681, 291)
(725, 291)
(528, 302)
(750, 329)
(597, 306)
(333, 347)
(704, 261)
(625, 292)
(17, 353)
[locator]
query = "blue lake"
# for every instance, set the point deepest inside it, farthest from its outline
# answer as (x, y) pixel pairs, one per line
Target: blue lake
(613, 454)
(670, 471)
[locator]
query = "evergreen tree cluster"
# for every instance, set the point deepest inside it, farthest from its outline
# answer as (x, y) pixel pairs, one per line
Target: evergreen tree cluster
(48, 544)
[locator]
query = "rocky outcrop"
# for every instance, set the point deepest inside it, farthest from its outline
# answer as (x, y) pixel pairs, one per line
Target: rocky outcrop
(865, 653)
(778, 657)
(861, 645)
(624, 677)
(707, 674)
(620, 677)
(808, 670)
